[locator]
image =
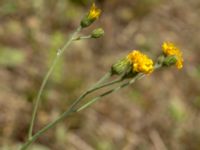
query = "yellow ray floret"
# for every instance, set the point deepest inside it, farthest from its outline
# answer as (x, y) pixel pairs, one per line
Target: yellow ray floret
(170, 49)
(141, 63)
(94, 12)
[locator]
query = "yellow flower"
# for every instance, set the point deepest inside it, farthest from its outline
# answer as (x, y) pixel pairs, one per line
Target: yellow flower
(141, 63)
(93, 15)
(170, 49)
(94, 12)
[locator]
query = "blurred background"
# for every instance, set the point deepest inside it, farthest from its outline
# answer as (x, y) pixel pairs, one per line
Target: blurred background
(159, 112)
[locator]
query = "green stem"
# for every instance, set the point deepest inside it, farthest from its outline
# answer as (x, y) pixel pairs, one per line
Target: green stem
(137, 77)
(43, 130)
(82, 37)
(103, 85)
(92, 89)
(103, 79)
(72, 110)
(66, 113)
(59, 54)
(109, 92)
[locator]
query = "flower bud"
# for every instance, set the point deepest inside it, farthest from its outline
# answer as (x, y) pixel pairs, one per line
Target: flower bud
(121, 67)
(97, 33)
(93, 15)
(170, 49)
(170, 60)
(85, 22)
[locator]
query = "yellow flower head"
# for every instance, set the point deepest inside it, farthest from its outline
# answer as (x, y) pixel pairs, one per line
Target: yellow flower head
(141, 63)
(170, 49)
(93, 15)
(94, 12)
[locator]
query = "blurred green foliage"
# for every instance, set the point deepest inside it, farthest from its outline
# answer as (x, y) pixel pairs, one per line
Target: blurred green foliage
(8, 8)
(11, 57)
(137, 98)
(104, 145)
(196, 102)
(177, 110)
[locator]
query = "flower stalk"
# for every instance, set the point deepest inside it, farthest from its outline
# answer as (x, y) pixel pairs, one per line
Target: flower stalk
(37, 101)
(96, 86)
(100, 84)
(93, 15)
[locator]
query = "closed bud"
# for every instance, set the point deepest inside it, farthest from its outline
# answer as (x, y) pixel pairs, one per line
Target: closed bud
(123, 66)
(85, 22)
(97, 33)
(170, 60)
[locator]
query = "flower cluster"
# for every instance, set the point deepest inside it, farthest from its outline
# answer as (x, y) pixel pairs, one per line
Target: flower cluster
(137, 62)
(169, 49)
(141, 62)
